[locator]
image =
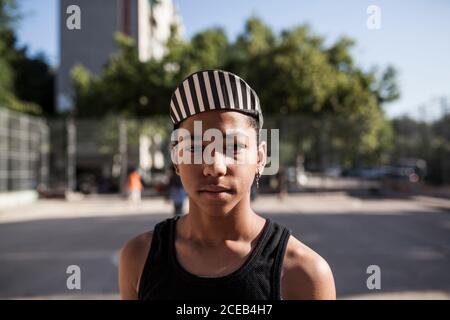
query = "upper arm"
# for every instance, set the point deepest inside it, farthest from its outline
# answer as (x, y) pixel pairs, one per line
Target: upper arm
(306, 275)
(131, 264)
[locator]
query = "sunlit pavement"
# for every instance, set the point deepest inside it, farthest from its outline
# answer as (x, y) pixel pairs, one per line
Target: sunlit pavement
(408, 238)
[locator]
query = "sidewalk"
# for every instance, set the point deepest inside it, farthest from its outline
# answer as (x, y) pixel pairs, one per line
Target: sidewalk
(406, 237)
(308, 203)
(91, 206)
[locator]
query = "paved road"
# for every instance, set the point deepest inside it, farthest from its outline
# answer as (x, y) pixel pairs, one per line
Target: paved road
(409, 239)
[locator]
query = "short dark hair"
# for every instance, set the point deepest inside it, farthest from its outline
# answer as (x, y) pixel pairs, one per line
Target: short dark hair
(254, 123)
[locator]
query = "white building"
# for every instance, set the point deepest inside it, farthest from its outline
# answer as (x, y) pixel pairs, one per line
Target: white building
(146, 21)
(152, 36)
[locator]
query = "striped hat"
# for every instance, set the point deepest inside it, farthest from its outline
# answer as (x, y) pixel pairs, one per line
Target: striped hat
(213, 90)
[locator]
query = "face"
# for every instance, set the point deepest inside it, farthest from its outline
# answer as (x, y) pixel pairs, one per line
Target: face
(222, 178)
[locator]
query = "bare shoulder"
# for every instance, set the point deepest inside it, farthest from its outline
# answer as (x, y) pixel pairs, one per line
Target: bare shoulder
(305, 274)
(131, 264)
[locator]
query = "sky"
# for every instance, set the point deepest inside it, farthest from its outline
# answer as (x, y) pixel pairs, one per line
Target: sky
(414, 36)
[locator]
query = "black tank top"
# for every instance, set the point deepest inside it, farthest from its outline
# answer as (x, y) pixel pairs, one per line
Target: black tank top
(163, 277)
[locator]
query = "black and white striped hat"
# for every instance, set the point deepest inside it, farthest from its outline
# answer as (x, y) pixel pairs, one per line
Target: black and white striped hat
(213, 90)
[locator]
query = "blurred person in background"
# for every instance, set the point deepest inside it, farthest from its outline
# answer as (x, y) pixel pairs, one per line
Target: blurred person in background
(282, 183)
(134, 186)
(253, 191)
(176, 193)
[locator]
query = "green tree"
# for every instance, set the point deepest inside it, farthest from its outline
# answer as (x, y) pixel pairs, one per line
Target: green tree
(26, 83)
(127, 86)
(294, 73)
(297, 74)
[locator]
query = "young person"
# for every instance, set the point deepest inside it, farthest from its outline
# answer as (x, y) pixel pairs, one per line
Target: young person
(221, 249)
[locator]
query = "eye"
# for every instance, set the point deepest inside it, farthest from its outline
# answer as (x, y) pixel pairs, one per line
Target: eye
(236, 147)
(194, 148)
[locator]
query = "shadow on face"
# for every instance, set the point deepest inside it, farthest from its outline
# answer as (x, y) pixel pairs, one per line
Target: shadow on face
(228, 167)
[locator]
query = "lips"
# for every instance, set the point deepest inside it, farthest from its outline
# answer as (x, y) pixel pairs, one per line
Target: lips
(215, 189)
(216, 193)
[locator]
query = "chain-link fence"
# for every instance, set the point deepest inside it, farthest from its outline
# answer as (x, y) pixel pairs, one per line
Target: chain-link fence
(96, 155)
(24, 146)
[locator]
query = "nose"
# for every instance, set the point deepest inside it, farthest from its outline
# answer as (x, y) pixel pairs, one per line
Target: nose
(218, 167)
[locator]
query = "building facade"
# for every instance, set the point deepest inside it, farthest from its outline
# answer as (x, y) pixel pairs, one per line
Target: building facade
(148, 22)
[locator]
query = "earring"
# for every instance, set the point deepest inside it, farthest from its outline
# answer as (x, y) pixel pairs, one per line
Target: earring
(258, 175)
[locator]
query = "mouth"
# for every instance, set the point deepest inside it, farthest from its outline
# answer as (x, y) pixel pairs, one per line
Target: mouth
(216, 192)
(215, 188)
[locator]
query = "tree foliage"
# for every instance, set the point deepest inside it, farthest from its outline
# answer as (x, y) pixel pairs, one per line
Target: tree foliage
(294, 73)
(26, 83)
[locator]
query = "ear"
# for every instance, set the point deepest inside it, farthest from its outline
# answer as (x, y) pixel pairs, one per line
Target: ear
(174, 158)
(262, 156)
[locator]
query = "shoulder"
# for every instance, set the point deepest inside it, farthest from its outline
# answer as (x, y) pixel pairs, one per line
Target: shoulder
(131, 264)
(305, 274)
(136, 247)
